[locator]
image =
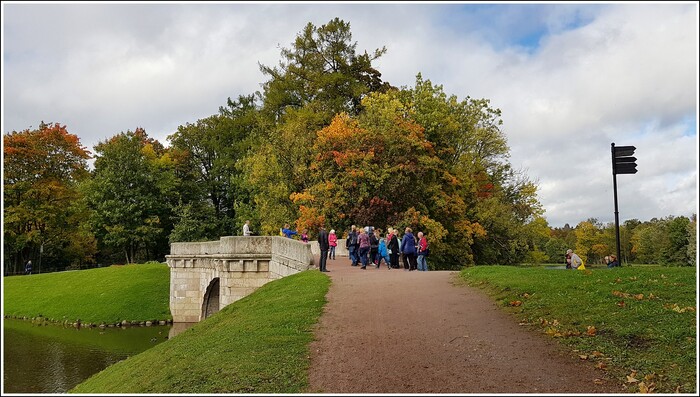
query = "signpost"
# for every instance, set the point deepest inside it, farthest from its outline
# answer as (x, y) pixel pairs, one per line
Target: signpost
(622, 163)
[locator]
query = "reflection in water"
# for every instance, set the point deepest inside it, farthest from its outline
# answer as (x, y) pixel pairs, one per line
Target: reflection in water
(54, 359)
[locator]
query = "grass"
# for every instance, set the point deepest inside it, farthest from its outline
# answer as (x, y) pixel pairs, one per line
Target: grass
(109, 295)
(258, 344)
(638, 324)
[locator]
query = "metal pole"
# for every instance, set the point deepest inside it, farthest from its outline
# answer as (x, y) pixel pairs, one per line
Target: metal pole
(617, 217)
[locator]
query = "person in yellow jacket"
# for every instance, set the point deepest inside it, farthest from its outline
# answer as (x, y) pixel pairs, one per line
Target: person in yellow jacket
(576, 261)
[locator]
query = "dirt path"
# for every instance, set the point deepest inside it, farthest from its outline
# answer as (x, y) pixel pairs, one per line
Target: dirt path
(395, 331)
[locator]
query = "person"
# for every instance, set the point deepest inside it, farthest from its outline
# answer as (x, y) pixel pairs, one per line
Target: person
(363, 242)
(305, 236)
(287, 231)
(383, 253)
(576, 261)
(373, 246)
(568, 260)
(613, 261)
(408, 247)
(28, 267)
(351, 245)
(323, 246)
(246, 229)
(393, 248)
(422, 252)
(332, 243)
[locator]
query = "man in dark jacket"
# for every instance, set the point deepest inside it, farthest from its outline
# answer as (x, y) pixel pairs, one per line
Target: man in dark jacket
(352, 244)
(323, 245)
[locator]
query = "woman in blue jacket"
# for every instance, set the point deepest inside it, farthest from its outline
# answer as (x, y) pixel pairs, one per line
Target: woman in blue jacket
(408, 247)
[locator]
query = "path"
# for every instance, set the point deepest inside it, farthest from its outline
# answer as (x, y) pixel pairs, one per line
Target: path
(395, 331)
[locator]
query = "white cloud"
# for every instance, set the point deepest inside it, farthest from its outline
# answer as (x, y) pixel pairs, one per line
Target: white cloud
(570, 79)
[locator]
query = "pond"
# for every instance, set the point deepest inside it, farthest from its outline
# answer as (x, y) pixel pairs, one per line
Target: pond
(53, 359)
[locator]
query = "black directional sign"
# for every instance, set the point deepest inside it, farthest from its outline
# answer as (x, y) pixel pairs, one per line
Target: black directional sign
(623, 162)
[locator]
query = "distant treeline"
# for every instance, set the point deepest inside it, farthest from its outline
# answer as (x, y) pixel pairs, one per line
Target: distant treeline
(325, 142)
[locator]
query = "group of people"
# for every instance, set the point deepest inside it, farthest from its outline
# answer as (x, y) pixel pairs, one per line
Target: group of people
(368, 246)
(573, 261)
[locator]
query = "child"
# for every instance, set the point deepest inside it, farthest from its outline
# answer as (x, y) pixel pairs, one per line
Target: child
(383, 254)
(304, 236)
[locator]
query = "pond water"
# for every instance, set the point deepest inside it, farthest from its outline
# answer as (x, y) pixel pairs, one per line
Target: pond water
(54, 359)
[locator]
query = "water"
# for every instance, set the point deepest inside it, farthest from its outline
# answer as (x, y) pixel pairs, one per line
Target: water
(54, 359)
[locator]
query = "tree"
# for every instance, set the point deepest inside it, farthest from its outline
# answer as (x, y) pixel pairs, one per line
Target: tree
(128, 194)
(322, 67)
(42, 216)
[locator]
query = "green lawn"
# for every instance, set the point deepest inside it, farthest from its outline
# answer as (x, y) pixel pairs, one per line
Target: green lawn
(258, 344)
(109, 295)
(630, 321)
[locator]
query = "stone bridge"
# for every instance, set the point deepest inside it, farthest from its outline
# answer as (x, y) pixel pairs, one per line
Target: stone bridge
(207, 276)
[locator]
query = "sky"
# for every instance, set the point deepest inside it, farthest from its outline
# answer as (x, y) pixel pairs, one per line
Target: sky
(569, 78)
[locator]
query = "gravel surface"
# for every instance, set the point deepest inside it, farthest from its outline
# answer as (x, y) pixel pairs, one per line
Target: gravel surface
(395, 331)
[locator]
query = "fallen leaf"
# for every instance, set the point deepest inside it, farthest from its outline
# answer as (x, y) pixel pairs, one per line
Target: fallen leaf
(639, 297)
(555, 323)
(649, 377)
(621, 303)
(631, 377)
(643, 388)
(526, 295)
(516, 303)
(646, 388)
(601, 365)
(596, 353)
(583, 356)
(633, 278)
(652, 296)
(590, 331)
(678, 389)
(598, 381)
(618, 280)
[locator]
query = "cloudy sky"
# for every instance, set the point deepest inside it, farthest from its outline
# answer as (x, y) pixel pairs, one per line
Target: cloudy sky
(570, 79)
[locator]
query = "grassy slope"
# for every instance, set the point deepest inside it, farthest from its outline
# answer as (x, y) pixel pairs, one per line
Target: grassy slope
(258, 344)
(654, 334)
(110, 295)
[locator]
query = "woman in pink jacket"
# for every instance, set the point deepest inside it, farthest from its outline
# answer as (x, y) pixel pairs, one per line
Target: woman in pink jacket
(332, 242)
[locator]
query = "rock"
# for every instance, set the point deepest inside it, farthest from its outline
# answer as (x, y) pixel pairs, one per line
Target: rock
(148, 323)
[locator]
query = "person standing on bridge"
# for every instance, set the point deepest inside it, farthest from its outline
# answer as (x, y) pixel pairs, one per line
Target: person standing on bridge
(287, 231)
(246, 229)
(323, 246)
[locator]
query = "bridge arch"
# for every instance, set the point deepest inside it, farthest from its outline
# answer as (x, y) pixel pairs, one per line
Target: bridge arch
(210, 305)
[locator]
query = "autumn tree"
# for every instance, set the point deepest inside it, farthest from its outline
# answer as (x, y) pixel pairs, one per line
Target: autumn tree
(43, 214)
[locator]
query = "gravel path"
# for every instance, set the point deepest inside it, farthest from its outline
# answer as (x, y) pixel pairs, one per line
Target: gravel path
(395, 331)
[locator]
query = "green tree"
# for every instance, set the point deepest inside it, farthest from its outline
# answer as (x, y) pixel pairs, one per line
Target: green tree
(322, 67)
(128, 195)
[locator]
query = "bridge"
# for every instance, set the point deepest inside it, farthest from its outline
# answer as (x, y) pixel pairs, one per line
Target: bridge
(207, 276)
